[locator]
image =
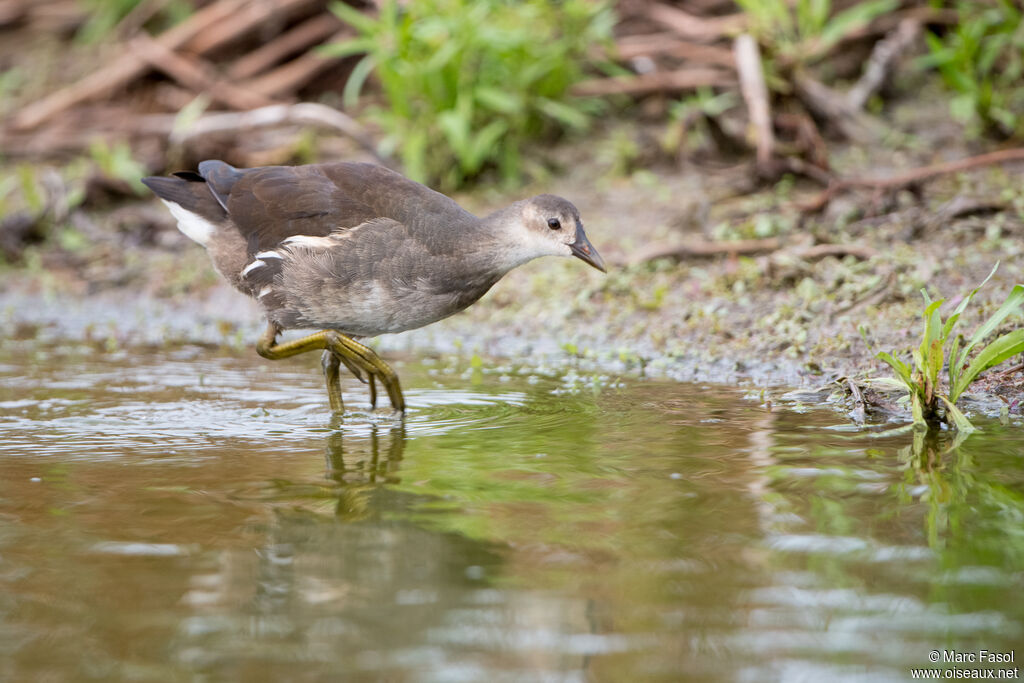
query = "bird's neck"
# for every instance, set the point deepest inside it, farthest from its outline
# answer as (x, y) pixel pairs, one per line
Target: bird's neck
(502, 239)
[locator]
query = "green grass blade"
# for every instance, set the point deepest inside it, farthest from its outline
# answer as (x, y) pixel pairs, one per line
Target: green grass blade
(1001, 349)
(498, 100)
(917, 409)
(919, 360)
(960, 421)
(887, 383)
(956, 366)
(354, 18)
(853, 18)
(935, 361)
(347, 48)
(483, 143)
(903, 371)
(932, 334)
(361, 71)
(950, 323)
(967, 299)
(563, 113)
(1010, 306)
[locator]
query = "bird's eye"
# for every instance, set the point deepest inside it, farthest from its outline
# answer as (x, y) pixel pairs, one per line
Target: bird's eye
(554, 224)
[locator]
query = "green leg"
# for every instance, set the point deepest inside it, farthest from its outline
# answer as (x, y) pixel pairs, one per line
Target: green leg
(348, 351)
(331, 365)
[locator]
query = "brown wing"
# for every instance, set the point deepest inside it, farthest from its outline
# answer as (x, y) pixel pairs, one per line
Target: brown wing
(270, 204)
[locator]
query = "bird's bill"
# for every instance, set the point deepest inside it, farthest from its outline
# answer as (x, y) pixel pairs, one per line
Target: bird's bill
(584, 251)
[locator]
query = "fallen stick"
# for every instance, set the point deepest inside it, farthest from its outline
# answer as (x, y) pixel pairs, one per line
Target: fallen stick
(833, 106)
(193, 74)
(859, 406)
(818, 251)
(911, 177)
(12, 12)
(310, 32)
(809, 137)
(669, 45)
(755, 95)
(249, 17)
(678, 251)
(126, 68)
(304, 113)
(688, 25)
(291, 76)
(883, 59)
(1007, 372)
(656, 82)
(132, 22)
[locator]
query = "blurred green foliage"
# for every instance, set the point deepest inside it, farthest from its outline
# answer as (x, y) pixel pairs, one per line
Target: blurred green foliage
(105, 15)
(941, 347)
(467, 83)
(982, 60)
(796, 33)
(115, 161)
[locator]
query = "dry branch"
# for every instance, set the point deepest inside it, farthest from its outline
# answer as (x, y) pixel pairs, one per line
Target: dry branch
(12, 12)
(656, 82)
(755, 94)
(136, 18)
(247, 18)
(735, 248)
(912, 177)
(123, 70)
(305, 113)
(295, 74)
(310, 32)
(818, 251)
(884, 57)
(690, 26)
(193, 74)
(833, 106)
(669, 45)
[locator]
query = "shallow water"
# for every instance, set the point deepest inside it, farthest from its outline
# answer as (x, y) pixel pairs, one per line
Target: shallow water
(191, 514)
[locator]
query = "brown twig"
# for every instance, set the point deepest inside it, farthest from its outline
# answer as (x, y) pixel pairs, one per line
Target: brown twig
(1007, 372)
(213, 26)
(822, 250)
(745, 247)
(859, 406)
(670, 45)
(310, 32)
(249, 17)
(755, 94)
(304, 113)
(656, 82)
(691, 26)
(123, 70)
(194, 74)
(295, 74)
(832, 106)
(734, 247)
(808, 139)
(911, 177)
(133, 22)
(12, 12)
(885, 55)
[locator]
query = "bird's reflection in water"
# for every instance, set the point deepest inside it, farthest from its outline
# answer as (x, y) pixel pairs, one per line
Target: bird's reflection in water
(361, 464)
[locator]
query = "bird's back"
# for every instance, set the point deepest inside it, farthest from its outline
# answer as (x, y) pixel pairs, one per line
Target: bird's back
(236, 213)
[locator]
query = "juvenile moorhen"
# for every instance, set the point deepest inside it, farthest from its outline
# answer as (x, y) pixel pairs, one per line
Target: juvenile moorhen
(356, 250)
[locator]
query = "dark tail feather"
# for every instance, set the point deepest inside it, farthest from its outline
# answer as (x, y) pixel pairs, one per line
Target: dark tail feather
(220, 177)
(191, 194)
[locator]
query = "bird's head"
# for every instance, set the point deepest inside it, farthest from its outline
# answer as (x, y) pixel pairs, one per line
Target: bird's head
(551, 225)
